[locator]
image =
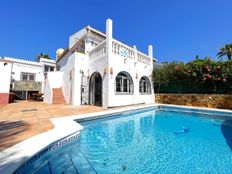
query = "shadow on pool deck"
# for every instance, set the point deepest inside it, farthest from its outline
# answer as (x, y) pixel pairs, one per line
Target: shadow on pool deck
(226, 128)
(8, 131)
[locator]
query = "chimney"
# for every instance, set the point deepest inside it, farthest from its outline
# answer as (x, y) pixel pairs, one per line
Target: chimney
(150, 51)
(109, 35)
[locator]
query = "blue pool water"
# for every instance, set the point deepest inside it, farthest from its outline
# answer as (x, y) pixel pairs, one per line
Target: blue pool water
(152, 141)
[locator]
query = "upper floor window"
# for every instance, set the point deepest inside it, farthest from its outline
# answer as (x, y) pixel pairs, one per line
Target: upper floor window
(27, 76)
(48, 68)
(123, 83)
(144, 85)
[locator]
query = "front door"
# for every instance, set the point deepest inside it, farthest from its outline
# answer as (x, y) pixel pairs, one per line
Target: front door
(95, 90)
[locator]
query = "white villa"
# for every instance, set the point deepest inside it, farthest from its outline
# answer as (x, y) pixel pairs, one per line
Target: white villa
(96, 69)
(22, 77)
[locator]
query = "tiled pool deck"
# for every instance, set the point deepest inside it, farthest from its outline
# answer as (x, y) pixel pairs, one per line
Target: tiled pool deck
(20, 121)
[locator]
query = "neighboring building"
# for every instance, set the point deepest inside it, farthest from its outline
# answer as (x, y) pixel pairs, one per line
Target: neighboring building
(96, 69)
(5, 80)
(23, 77)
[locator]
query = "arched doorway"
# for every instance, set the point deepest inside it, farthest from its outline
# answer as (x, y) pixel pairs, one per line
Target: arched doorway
(95, 89)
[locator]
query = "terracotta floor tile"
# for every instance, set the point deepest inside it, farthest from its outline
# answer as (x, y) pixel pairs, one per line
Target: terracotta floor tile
(17, 126)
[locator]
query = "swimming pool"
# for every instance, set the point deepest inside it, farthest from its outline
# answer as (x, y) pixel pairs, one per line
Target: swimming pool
(151, 140)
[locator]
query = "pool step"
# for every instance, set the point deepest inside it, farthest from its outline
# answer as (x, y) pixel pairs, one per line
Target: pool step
(83, 164)
(66, 163)
(44, 168)
(62, 164)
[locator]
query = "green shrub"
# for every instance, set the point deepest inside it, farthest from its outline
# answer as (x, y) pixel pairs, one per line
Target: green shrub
(197, 76)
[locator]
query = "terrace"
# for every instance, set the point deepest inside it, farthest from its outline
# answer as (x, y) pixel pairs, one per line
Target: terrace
(122, 50)
(20, 121)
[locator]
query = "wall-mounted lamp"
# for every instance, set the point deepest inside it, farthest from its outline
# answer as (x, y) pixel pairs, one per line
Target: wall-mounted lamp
(111, 71)
(105, 71)
(125, 59)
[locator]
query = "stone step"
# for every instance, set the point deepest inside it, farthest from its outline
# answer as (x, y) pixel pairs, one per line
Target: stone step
(58, 97)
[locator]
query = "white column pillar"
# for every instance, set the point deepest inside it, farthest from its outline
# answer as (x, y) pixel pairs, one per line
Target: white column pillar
(107, 84)
(109, 36)
(150, 51)
(150, 54)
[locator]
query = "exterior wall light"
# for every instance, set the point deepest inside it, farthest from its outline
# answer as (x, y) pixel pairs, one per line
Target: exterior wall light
(111, 71)
(105, 71)
(125, 59)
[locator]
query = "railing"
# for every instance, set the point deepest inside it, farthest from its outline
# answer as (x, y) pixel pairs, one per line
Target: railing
(27, 86)
(123, 50)
(143, 58)
(99, 49)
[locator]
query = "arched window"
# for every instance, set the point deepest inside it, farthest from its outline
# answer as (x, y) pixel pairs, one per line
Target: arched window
(123, 83)
(144, 85)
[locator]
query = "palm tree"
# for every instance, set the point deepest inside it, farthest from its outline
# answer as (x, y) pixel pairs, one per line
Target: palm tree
(41, 55)
(225, 51)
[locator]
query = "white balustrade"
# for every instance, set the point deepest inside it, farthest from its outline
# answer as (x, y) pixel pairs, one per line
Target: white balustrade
(98, 50)
(123, 50)
(143, 58)
(118, 48)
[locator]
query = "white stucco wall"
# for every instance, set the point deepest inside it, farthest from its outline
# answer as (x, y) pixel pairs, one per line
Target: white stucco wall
(53, 80)
(5, 77)
(119, 64)
(98, 64)
(18, 68)
(81, 65)
(47, 98)
(73, 64)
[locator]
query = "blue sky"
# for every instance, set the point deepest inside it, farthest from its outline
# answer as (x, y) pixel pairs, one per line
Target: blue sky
(178, 29)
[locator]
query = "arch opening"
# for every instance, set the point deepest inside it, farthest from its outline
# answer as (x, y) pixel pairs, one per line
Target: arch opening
(124, 83)
(95, 89)
(144, 85)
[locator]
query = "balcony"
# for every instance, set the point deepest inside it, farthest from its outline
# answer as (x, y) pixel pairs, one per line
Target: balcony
(27, 86)
(120, 49)
(125, 51)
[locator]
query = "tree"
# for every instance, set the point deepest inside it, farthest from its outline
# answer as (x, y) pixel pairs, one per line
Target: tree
(225, 51)
(41, 55)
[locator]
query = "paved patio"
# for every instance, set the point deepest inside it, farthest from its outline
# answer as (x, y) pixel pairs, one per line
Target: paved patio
(19, 121)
